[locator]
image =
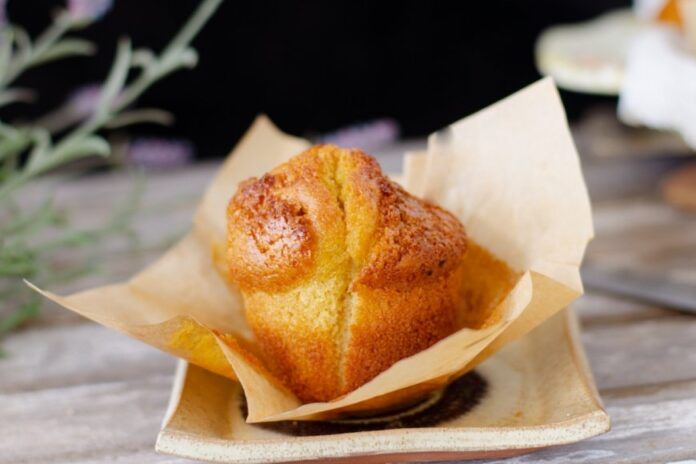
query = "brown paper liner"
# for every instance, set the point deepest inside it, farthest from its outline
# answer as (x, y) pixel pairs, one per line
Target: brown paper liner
(511, 175)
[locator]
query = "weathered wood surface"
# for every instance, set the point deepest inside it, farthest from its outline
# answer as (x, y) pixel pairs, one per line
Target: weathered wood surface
(74, 392)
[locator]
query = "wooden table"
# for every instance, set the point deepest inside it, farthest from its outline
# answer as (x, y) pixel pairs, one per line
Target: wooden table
(74, 392)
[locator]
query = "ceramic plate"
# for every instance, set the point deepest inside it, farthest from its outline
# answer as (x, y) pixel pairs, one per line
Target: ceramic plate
(535, 393)
(589, 57)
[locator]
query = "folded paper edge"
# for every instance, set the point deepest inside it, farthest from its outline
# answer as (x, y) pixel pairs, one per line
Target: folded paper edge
(567, 274)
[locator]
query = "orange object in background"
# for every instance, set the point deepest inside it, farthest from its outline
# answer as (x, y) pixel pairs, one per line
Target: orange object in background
(670, 13)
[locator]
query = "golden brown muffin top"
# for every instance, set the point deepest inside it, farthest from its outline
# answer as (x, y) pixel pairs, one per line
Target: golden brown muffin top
(392, 237)
(342, 270)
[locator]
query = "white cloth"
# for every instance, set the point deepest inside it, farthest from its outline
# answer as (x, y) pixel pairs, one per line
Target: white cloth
(659, 88)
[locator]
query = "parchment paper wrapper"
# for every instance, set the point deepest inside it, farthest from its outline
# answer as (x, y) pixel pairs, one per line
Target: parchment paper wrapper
(511, 175)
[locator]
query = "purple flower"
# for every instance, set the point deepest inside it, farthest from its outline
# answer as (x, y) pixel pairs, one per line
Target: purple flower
(159, 153)
(88, 10)
(368, 135)
(79, 106)
(82, 102)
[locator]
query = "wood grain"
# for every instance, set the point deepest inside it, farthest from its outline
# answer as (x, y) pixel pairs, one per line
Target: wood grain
(77, 423)
(73, 392)
(649, 424)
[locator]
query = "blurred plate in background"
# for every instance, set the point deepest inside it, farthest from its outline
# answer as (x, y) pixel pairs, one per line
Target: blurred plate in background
(589, 57)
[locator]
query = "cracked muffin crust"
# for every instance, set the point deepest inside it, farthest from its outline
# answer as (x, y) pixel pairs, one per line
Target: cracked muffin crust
(343, 272)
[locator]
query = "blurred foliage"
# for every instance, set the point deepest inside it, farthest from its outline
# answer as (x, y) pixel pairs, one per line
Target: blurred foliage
(30, 237)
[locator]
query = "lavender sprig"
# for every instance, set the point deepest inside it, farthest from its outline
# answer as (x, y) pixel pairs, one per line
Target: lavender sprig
(115, 97)
(21, 254)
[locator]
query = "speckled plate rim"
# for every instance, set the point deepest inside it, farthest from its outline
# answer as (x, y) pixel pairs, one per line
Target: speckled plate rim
(429, 444)
(416, 444)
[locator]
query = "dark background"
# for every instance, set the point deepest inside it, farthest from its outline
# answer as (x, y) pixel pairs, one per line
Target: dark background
(315, 66)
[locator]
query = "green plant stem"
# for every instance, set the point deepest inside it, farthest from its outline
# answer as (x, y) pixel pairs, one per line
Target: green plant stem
(175, 55)
(20, 254)
(47, 39)
(13, 142)
(26, 311)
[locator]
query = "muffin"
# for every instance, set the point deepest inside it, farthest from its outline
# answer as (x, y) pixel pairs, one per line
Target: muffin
(343, 273)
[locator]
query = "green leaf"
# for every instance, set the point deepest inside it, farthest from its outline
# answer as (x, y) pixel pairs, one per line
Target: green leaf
(17, 269)
(9, 132)
(6, 40)
(65, 48)
(188, 57)
(29, 54)
(142, 58)
(42, 144)
(25, 312)
(88, 146)
(23, 41)
(117, 78)
(202, 14)
(71, 150)
(141, 115)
